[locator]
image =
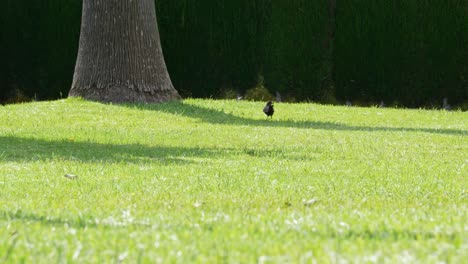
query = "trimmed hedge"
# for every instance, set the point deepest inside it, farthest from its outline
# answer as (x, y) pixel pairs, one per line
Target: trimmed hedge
(410, 53)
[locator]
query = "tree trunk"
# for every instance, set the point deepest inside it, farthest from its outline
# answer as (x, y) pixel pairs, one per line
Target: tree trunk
(120, 57)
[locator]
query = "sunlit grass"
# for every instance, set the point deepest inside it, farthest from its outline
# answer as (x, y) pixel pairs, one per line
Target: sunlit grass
(216, 181)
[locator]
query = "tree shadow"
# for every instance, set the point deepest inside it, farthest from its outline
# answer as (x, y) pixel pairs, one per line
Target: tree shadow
(79, 222)
(366, 234)
(28, 149)
(47, 220)
(32, 149)
(215, 116)
(390, 235)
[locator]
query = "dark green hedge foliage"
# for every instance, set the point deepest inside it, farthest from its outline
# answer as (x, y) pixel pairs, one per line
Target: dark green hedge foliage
(410, 53)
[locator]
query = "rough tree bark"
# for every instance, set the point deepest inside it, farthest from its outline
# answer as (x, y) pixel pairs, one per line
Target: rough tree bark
(120, 57)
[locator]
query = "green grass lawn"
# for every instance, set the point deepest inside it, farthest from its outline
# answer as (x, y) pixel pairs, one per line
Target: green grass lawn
(217, 182)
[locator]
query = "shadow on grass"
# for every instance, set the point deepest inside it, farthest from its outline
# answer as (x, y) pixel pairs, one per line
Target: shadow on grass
(30, 149)
(26, 149)
(75, 223)
(366, 234)
(215, 116)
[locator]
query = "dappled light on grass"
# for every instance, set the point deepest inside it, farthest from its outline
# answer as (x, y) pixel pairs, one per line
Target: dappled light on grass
(216, 181)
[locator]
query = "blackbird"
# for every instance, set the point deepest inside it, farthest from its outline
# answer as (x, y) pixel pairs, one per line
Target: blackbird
(268, 109)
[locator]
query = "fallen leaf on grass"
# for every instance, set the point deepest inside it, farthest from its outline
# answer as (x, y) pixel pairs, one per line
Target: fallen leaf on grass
(70, 176)
(309, 202)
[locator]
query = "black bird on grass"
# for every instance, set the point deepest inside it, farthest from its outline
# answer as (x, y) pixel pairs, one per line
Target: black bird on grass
(268, 109)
